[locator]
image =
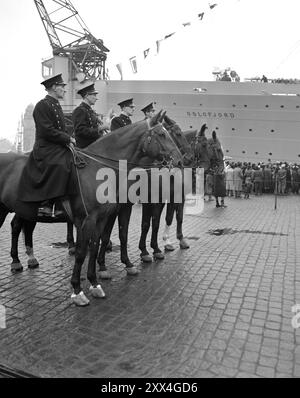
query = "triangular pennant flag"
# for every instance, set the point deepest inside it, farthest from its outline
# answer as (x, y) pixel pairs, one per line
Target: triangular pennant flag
(171, 34)
(119, 67)
(186, 24)
(146, 52)
(200, 16)
(211, 6)
(133, 64)
(157, 46)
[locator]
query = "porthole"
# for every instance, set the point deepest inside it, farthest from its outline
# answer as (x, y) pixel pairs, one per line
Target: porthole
(250, 130)
(270, 153)
(298, 156)
(244, 152)
(298, 106)
(272, 131)
(267, 106)
(200, 104)
(256, 153)
(269, 160)
(233, 129)
(174, 103)
(281, 106)
(191, 127)
(233, 106)
(245, 106)
(217, 128)
(228, 151)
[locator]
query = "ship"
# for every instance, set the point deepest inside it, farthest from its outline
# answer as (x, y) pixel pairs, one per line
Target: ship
(256, 121)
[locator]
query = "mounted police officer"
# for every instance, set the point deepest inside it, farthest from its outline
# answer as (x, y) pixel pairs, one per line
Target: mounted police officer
(87, 125)
(47, 174)
(149, 111)
(123, 119)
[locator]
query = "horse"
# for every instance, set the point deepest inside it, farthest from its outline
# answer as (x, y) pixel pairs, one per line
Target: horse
(123, 213)
(131, 143)
(151, 212)
(202, 155)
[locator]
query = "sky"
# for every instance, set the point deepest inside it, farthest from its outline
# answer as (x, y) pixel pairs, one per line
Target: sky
(253, 37)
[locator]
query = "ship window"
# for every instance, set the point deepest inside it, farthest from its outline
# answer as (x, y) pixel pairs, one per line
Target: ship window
(256, 153)
(245, 106)
(270, 153)
(200, 104)
(281, 106)
(233, 106)
(217, 128)
(297, 106)
(244, 152)
(191, 127)
(233, 129)
(250, 130)
(272, 131)
(267, 106)
(269, 160)
(298, 156)
(228, 151)
(174, 103)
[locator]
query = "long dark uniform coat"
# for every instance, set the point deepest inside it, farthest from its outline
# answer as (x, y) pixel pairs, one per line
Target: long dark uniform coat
(47, 174)
(120, 121)
(85, 122)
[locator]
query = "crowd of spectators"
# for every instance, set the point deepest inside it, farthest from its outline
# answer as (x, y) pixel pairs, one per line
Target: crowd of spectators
(245, 179)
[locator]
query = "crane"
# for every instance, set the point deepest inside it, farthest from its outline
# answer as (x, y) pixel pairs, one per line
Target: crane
(70, 37)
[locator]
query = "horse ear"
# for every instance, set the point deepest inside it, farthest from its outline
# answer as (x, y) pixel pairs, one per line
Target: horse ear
(155, 119)
(214, 135)
(202, 130)
(167, 120)
(163, 116)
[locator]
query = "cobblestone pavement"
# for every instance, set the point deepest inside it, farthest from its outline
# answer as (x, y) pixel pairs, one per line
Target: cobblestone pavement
(220, 309)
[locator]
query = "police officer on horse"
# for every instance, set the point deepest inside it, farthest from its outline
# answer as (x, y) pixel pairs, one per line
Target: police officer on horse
(123, 119)
(87, 125)
(148, 111)
(47, 174)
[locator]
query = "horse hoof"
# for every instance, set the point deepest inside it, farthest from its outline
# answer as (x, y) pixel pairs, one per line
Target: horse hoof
(184, 245)
(80, 300)
(105, 275)
(72, 251)
(97, 291)
(146, 259)
(33, 263)
(158, 256)
(169, 248)
(132, 271)
(16, 267)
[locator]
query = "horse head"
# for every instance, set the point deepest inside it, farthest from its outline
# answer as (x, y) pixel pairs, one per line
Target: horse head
(215, 151)
(158, 143)
(179, 139)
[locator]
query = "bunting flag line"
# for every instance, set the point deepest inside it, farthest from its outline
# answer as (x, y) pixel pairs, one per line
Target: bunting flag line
(133, 60)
